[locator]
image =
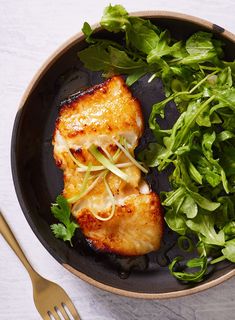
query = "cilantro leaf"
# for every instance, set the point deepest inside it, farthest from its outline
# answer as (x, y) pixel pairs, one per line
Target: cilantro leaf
(61, 211)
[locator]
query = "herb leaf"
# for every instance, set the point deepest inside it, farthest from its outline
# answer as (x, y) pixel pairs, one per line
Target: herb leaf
(195, 276)
(61, 211)
(204, 225)
(104, 57)
(229, 250)
(115, 18)
(86, 29)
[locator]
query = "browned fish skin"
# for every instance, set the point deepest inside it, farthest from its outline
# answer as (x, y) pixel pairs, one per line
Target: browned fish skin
(91, 113)
(135, 229)
(96, 116)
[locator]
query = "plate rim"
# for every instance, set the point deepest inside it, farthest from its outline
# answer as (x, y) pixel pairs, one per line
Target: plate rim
(33, 83)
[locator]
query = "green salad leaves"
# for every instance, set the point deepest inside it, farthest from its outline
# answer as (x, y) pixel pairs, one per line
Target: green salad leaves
(200, 146)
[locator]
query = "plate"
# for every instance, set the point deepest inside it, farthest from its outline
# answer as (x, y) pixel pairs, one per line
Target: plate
(38, 181)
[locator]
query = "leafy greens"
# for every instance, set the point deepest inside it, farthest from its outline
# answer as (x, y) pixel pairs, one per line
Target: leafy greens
(66, 228)
(201, 143)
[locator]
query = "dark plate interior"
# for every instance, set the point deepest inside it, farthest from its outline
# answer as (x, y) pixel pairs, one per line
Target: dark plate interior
(38, 181)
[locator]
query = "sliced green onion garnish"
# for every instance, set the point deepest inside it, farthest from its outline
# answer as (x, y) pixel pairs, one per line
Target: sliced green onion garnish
(85, 189)
(75, 160)
(119, 165)
(107, 163)
(82, 167)
(111, 197)
(185, 244)
(113, 203)
(116, 155)
(129, 156)
(107, 154)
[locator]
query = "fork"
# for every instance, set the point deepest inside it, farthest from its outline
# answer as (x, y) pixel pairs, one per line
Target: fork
(49, 298)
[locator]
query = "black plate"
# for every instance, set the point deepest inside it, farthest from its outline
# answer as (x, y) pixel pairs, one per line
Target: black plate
(38, 181)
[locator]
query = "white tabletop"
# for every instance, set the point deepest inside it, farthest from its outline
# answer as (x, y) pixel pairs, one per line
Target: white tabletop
(30, 30)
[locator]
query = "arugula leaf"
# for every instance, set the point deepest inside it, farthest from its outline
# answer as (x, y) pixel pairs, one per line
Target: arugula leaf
(194, 173)
(195, 276)
(228, 160)
(210, 174)
(204, 225)
(224, 79)
(225, 214)
(229, 229)
(86, 29)
(229, 250)
(115, 18)
(103, 57)
(231, 65)
(134, 76)
(175, 221)
(150, 155)
(61, 211)
(201, 48)
(141, 35)
(189, 207)
(162, 48)
(199, 43)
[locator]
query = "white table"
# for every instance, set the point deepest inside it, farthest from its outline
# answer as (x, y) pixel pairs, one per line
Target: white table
(30, 30)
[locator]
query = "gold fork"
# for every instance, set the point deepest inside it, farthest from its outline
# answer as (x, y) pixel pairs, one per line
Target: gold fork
(49, 298)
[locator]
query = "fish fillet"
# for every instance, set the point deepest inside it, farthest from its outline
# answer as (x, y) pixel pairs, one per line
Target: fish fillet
(101, 116)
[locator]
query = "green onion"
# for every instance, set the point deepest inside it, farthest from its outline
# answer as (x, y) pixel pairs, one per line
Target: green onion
(116, 155)
(75, 160)
(107, 163)
(111, 196)
(84, 186)
(119, 165)
(107, 154)
(129, 156)
(81, 166)
(181, 243)
(113, 203)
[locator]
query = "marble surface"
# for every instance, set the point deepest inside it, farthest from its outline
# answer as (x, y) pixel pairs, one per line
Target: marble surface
(30, 30)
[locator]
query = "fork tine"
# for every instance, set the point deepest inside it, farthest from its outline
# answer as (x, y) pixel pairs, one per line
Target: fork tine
(72, 310)
(55, 315)
(63, 312)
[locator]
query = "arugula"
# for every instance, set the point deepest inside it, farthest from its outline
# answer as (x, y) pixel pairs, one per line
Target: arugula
(200, 146)
(61, 211)
(115, 18)
(196, 276)
(104, 57)
(229, 250)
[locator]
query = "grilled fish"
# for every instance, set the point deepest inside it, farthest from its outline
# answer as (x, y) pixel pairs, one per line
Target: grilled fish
(117, 215)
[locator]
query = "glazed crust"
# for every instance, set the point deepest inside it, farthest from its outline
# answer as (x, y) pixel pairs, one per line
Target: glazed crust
(97, 116)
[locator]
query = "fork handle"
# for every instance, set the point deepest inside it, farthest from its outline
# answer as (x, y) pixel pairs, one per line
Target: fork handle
(7, 234)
